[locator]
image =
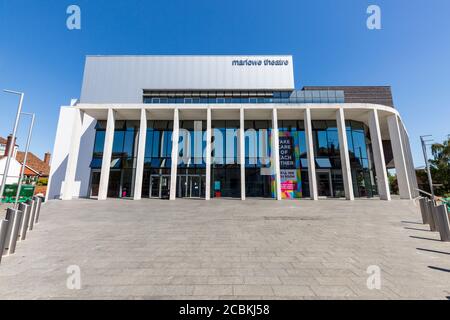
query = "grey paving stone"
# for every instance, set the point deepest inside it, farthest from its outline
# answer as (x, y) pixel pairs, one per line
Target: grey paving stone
(222, 249)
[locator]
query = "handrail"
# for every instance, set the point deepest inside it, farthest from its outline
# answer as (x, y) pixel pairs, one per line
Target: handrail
(442, 200)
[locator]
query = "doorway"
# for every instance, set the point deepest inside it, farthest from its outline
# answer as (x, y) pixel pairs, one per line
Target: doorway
(324, 184)
(160, 186)
(191, 186)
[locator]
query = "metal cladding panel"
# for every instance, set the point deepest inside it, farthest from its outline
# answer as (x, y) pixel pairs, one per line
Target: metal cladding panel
(122, 79)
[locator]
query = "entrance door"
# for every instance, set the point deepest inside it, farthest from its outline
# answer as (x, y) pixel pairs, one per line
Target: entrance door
(165, 187)
(155, 191)
(195, 188)
(324, 185)
(159, 186)
(114, 184)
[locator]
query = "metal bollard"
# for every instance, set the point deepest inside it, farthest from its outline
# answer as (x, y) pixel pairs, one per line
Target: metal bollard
(14, 217)
(38, 208)
(442, 224)
(3, 230)
(423, 210)
(26, 209)
(32, 204)
(430, 215)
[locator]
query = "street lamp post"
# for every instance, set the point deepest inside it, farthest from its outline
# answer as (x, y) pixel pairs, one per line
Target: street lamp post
(427, 163)
(11, 146)
(27, 148)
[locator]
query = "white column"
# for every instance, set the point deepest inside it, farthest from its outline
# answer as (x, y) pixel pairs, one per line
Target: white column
(175, 138)
(72, 161)
(310, 154)
(399, 157)
(140, 156)
(208, 155)
(242, 151)
(378, 156)
(107, 153)
(276, 152)
(409, 161)
(345, 158)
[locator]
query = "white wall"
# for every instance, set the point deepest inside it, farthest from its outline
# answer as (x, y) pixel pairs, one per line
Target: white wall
(61, 149)
(13, 172)
(121, 79)
(60, 152)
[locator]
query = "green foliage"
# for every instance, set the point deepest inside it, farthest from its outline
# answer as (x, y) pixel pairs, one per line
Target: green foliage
(42, 182)
(393, 184)
(440, 167)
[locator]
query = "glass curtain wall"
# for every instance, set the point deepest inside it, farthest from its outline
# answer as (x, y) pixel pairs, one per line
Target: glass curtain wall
(293, 159)
(328, 161)
(191, 171)
(225, 169)
(361, 160)
(259, 173)
(123, 160)
(97, 155)
(158, 159)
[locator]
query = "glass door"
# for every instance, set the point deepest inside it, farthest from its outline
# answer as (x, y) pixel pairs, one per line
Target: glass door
(155, 190)
(324, 186)
(194, 184)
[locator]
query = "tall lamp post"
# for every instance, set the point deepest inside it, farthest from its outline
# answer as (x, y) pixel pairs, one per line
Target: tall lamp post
(30, 132)
(427, 163)
(11, 146)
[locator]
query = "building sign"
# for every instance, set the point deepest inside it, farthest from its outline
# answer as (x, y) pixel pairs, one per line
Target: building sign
(258, 62)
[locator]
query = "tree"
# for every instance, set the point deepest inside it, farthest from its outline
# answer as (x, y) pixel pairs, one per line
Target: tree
(440, 167)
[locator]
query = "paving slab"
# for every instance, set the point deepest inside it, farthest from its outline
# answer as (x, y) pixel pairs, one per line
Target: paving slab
(225, 249)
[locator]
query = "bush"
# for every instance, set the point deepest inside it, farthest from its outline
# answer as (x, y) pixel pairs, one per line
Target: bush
(42, 182)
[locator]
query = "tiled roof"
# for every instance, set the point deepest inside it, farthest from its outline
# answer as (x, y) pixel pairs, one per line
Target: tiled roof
(2, 140)
(34, 163)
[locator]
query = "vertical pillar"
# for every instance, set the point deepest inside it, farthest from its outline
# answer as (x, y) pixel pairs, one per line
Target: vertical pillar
(310, 154)
(242, 151)
(345, 158)
(409, 161)
(107, 153)
(72, 161)
(208, 155)
(140, 156)
(175, 138)
(399, 157)
(276, 152)
(378, 156)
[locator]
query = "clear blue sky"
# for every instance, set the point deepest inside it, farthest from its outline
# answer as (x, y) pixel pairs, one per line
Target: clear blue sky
(328, 38)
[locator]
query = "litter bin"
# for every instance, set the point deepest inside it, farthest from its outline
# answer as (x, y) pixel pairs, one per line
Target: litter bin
(26, 209)
(14, 217)
(442, 224)
(3, 230)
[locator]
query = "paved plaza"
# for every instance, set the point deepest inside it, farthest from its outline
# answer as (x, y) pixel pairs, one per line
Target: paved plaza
(228, 249)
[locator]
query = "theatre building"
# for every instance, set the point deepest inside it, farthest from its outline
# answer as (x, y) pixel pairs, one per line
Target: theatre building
(168, 127)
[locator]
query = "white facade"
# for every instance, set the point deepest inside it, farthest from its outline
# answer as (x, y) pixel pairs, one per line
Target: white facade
(113, 90)
(13, 172)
